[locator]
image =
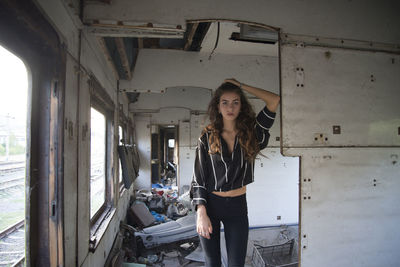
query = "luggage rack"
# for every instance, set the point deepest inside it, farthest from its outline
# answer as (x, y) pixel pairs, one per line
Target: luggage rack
(274, 255)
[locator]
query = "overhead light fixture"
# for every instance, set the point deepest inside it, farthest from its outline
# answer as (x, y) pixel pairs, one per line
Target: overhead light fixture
(252, 33)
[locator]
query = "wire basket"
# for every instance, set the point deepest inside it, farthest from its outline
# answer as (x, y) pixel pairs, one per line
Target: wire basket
(274, 255)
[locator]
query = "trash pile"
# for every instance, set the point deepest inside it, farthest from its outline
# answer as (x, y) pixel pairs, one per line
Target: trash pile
(160, 227)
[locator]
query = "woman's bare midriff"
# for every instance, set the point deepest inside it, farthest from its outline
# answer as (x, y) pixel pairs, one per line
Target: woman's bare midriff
(232, 193)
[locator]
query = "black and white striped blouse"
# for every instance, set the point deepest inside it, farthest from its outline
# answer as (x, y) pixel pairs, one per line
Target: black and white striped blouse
(225, 171)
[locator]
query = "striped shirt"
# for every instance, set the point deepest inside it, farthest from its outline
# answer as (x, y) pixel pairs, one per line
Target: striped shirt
(226, 171)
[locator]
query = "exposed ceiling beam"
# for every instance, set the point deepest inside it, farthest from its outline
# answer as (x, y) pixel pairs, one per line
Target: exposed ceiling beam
(140, 43)
(102, 1)
(108, 56)
(119, 42)
(122, 30)
(190, 36)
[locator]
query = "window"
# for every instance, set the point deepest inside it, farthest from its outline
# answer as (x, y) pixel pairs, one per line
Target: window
(120, 139)
(97, 161)
(101, 161)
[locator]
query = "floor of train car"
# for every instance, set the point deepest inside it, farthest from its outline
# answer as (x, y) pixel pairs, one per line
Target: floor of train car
(191, 254)
(261, 236)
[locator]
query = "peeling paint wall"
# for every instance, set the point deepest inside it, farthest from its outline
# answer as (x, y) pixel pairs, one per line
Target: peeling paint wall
(349, 215)
(340, 113)
(357, 91)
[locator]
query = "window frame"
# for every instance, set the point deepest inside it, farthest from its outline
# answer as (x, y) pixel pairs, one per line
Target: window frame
(121, 183)
(106, 167)
(102, 102)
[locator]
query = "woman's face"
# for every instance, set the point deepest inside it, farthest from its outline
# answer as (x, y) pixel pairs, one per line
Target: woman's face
(229, 105)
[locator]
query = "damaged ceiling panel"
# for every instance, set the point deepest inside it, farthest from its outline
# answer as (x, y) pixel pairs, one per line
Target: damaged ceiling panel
(240, 39)
(121, 41)
(123, 50)
(223, 37)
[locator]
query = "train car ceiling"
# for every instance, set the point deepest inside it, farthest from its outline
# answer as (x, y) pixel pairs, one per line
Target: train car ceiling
(121, 44)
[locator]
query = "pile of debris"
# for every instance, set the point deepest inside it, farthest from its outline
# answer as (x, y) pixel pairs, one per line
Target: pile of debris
(160, 230)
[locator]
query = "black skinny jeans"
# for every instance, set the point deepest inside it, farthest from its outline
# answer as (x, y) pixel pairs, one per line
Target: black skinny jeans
(232, 212)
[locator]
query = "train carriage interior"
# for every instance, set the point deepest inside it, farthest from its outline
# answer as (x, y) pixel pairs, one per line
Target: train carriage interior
(102, 103)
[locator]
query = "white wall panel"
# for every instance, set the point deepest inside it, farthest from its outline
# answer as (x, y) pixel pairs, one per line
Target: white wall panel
(275, 190)
(156, 70)
(83, 187)
(356, 90)
(184, 134)
(70, 162)
(348, 183)
(197, 125)
(186, 161)
(174, 97)
(349, 214)
(143, 141)
(170, 116)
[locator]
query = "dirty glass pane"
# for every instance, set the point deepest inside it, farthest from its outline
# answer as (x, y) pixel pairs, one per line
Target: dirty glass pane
(97, 161)
(13, 111)
(120, 136)
(171, 143)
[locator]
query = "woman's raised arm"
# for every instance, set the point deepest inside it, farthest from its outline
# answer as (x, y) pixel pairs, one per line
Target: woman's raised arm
(271, 99)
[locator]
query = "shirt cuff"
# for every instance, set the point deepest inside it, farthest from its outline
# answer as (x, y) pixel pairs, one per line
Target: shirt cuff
(199, 195)
(265, 118)
(268, 113)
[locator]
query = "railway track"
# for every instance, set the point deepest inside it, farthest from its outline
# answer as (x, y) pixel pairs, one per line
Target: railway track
(11, 167)
(12, 245)
(12, 239)
(12, 177)
(11, 184)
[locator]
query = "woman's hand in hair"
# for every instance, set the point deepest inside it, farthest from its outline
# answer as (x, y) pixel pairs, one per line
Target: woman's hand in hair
(271, 99)
(232, 81)
(203, 225)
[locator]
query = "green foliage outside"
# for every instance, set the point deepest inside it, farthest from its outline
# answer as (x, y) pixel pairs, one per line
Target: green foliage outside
(15, 148)
(10, 218)
(2, 150)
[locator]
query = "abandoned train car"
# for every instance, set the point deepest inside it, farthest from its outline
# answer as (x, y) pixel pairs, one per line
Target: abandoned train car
(111, 97)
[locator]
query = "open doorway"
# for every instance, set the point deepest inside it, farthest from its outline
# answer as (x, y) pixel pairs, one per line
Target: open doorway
(13, 115)
(164, 143)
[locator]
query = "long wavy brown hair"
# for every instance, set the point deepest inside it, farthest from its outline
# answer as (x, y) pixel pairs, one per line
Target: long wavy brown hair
(244, 123)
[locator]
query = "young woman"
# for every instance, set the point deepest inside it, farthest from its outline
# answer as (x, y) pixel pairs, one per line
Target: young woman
(224, 165)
